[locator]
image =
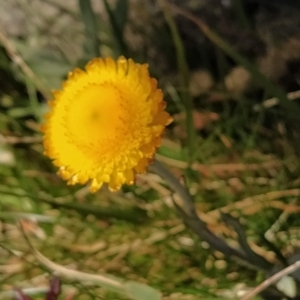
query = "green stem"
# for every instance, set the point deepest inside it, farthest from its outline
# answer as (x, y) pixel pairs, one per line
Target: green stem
(189, 214)
(184, 81)
(90, 23)
(241, 14)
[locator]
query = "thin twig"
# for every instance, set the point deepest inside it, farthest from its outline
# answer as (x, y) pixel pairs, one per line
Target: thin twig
(270, 233)
(18, 60)
(274, 101)
(261, 287)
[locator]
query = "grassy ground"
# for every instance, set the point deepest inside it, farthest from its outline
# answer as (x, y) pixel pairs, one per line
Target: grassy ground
(235, 156)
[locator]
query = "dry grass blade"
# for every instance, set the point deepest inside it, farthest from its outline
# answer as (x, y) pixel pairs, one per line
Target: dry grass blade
(273, 279)
(27, 291)
(132, 289)
(249, 206)
(77, 275)
(18, 60)
(221, 170)
(260, 200)
(274, 101)
(154, 238)
(12, 140)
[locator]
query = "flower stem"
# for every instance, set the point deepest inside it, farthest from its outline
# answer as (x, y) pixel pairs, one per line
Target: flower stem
(188, 211)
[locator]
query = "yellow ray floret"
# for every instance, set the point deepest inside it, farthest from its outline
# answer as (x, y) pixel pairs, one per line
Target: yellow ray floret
(105, 124)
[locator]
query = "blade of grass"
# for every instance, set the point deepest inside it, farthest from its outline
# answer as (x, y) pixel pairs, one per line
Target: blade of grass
(291, 108)
(118, 18)
(134, 215)
(184, 80)
(132, 289)
(89, 21)
(121, 14)
(27, 216)
(27, 291)
(241, 14)
(33, 100)
(19, 61)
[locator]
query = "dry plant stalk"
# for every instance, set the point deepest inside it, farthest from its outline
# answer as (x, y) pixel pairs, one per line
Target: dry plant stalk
(18, 60)
(261, 287)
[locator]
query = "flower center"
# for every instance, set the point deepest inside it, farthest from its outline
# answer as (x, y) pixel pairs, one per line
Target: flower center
(97, 117)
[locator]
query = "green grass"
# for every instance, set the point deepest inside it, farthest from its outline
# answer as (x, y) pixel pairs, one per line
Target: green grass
(136, 236)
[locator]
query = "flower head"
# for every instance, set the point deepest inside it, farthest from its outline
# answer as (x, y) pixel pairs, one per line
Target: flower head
(105, 124)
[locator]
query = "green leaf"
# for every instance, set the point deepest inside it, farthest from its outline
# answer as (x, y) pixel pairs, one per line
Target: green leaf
(47, 66)
(121, 14)
(89, 21)
(134, 214)
(117, 20)
(180, 154)
(19, 112)
(138, 291)
(182, 66)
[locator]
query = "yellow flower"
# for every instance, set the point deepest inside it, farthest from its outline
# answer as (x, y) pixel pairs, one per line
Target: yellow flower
(105, 124)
